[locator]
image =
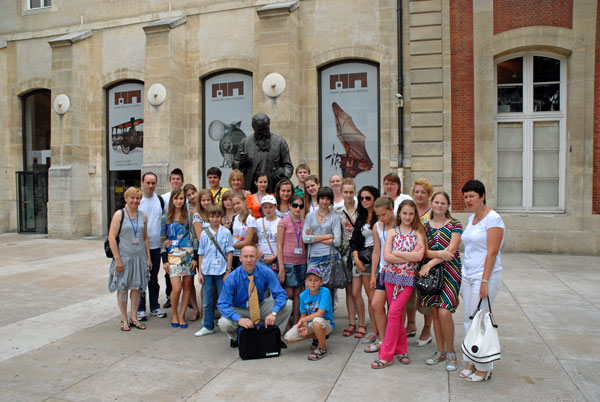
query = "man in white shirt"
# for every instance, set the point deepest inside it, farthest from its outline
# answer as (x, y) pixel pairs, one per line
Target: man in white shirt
(176, 181)
(152, 205)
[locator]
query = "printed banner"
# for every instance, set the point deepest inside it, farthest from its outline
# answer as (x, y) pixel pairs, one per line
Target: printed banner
(227, 120)
(350, 122)
(125, 134)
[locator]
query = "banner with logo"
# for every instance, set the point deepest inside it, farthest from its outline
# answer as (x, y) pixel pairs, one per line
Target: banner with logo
(125, 136)
(227, 120)
(349, 126)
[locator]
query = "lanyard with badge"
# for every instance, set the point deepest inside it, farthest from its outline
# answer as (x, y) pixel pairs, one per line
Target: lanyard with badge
(135, 240)
(217, 260)
(298, 233)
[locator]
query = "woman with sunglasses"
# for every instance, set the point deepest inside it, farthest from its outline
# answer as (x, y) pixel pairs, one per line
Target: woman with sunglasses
(291, 253)
(361, 246)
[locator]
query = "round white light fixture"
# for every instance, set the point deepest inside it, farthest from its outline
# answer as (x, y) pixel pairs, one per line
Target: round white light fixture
(273, 85)
(61, 104)
(157, 94)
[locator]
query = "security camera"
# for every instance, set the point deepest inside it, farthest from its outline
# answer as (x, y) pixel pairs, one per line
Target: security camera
(399, 100)
(398, 96)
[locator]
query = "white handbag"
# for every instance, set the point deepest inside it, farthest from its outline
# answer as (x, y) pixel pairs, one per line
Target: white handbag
(481, 343)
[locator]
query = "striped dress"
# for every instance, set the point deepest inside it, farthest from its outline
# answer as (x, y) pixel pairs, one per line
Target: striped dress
(439, 239)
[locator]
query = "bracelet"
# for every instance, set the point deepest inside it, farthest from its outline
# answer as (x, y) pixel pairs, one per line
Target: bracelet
(484, 281)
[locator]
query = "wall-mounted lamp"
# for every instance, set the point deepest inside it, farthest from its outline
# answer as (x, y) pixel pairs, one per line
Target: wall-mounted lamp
(273, 85)
(61, 104)
(157, 94)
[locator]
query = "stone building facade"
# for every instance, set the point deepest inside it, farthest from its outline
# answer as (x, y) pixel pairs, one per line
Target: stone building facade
(472, 104)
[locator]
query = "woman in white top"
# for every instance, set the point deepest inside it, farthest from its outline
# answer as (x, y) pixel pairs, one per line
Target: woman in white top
(482, 270)
(266, 233)
(244, 226)
(392, 188)
(361, 246)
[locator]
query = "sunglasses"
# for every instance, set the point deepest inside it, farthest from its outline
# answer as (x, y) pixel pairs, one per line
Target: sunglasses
(294, 205)
(366, 198)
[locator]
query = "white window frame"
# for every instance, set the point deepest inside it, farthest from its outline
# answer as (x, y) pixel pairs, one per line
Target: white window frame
(527, 117)
(42, 6)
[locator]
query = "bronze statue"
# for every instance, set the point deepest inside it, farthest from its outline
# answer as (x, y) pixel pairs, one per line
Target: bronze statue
(263, 153)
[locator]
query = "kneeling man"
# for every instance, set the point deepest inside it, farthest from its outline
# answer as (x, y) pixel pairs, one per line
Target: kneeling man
(242, 302)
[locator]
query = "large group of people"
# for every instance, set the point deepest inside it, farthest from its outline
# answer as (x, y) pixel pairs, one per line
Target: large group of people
(273, 257)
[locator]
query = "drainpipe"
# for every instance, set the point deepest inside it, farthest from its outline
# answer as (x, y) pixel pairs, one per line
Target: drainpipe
(400, 93)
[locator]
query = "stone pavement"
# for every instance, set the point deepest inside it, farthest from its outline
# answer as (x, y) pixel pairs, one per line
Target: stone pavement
(60, 341)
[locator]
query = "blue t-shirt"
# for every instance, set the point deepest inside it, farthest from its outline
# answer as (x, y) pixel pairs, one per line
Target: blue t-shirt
(309, 304)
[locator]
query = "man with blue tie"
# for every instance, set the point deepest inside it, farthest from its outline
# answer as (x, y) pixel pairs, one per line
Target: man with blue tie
(242, 302)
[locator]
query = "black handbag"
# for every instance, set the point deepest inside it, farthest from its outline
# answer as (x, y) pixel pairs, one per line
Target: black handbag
(107, 249)
(259, 342)
(431, 284)
(335, 274)
(365, 255)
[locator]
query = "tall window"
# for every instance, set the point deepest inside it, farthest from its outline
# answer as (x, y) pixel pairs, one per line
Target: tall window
(34, 4)
(530, 126)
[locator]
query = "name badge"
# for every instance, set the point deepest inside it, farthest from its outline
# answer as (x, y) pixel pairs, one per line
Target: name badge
(135, 240)
(174, 242)
(298, 251)
(217, 262)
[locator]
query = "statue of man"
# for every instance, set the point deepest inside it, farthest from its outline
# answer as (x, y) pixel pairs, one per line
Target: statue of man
(263, 153)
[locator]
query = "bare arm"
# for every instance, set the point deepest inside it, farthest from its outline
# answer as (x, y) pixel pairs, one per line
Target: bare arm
(280, 239)
(247, 240)
(494, 240)
(112, 239)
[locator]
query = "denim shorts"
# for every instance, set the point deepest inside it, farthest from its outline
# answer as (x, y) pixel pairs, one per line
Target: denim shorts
(379, 286)
(294, 275)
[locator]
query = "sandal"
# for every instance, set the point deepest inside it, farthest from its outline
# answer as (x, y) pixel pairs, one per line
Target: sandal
(374, 347)
(370, 338)
(125, 326)
(403, 358)
(350, 330)
(359, 333)
(317, 354)
(380, 363)
(410, 334)
(136, 324)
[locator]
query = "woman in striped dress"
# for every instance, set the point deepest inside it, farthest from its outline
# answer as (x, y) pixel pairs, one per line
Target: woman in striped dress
(443, 238)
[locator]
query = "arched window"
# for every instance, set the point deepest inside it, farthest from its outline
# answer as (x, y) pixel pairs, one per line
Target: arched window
(530, 128)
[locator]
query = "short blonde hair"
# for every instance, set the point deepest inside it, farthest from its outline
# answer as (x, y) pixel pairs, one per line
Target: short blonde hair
(132, 191)
(421, 181)
(236, 173)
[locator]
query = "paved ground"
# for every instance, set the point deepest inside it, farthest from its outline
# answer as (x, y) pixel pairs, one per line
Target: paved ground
(60, 341)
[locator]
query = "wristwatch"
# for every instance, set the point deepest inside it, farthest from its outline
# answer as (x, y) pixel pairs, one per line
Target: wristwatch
(274, 314)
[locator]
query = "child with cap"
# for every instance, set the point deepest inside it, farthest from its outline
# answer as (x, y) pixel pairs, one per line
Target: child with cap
(316, 312)
(266, 232)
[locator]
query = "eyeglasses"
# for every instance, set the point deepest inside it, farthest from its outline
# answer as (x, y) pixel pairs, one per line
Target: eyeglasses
(294, 205)
(366, 198)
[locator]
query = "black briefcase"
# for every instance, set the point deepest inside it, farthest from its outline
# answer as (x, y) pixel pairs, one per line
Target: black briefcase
(259, 342)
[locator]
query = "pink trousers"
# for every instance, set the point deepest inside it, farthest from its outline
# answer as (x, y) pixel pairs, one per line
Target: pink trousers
(395, 342)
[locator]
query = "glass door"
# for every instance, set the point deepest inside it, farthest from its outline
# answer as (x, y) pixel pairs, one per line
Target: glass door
(32, 193)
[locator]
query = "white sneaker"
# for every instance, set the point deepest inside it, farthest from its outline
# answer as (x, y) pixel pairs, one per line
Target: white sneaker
(141, 316)
(204, 331)
(158, 313)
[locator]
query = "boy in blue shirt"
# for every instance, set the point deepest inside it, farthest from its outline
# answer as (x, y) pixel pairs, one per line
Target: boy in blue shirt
(214, 260)
(316, 312)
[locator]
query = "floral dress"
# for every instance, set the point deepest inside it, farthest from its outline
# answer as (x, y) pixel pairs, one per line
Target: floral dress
(183, 244)
(347, 230)
(401, 274)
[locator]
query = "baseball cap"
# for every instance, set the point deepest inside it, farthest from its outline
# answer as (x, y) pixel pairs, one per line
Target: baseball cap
(314, 271)
(268, 199)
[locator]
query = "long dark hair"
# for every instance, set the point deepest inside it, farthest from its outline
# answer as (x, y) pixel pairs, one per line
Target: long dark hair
(361, 212)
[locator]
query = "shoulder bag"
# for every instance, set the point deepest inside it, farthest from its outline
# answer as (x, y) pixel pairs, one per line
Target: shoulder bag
(335, 274)
(431, 284)
(481, 343)
(107, 249)
(275, 265)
